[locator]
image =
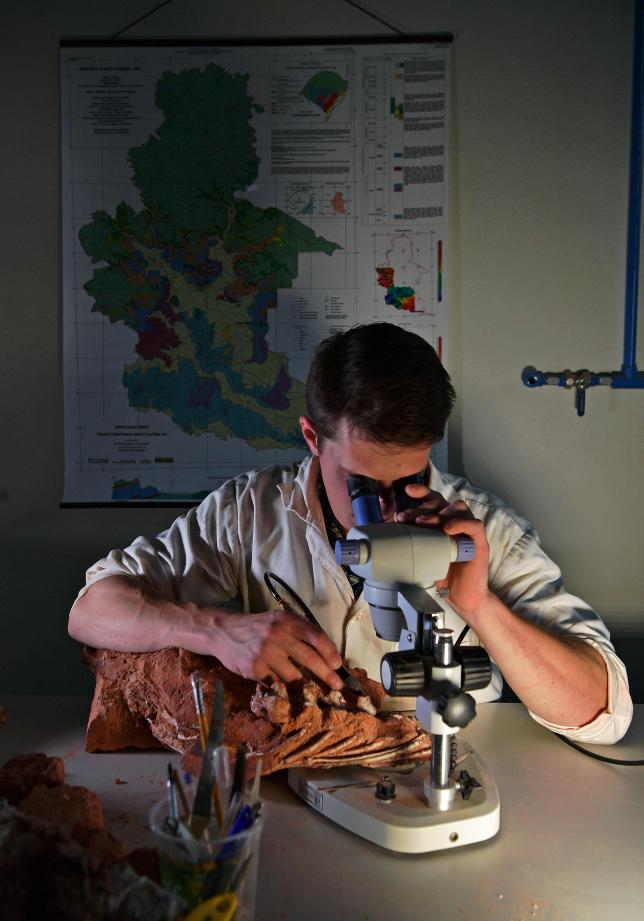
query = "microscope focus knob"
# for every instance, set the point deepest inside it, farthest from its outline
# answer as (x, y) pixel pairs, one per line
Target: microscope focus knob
(476, 667)
(402, 674)
(457, 710)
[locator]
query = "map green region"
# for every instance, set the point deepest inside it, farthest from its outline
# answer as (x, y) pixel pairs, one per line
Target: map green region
(196, 271)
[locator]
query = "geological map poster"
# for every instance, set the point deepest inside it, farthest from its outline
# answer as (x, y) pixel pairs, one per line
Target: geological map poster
(226, 207)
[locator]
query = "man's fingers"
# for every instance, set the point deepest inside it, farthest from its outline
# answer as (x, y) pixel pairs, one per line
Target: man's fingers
(305, 655)
(418, 491)
(305, 652)
(429, 496)
(470, 526)
(432, 502)
(441, 515)
(456, 510)
(316, 638)
(285, 671)
(297, 642)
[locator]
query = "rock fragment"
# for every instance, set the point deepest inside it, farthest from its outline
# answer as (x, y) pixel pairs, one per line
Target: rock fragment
(46, 874)
(20, 774)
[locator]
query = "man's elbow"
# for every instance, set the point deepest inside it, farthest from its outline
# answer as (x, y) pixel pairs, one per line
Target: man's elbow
(84, 611)
(76, 622)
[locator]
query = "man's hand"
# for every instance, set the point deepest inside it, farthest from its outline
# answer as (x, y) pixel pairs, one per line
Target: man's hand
(276, 645)
(467, 582)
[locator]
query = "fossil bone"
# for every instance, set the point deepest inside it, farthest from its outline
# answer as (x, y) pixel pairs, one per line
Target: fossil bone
(144, 700)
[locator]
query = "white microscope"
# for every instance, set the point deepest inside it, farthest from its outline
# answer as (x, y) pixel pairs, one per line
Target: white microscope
(455, 801)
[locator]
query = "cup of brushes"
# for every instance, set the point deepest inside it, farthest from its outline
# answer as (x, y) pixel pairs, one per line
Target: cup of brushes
(208, 832)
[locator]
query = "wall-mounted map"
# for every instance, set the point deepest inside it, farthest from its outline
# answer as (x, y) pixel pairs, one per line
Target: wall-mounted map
(225, 208)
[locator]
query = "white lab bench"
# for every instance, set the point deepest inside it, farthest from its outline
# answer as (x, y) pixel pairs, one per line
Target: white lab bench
(570, 848)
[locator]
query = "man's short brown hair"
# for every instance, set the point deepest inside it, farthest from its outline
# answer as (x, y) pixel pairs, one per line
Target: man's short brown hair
(384, 381)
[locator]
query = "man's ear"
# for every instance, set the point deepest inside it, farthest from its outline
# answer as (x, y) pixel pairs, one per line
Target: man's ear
(310, 435)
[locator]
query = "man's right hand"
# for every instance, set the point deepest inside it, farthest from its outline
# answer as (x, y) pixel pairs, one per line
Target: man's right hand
(122, 613)
(275, 645)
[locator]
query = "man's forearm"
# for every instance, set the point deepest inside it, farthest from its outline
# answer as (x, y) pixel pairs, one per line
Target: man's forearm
(561, 679)
(122, 614)
(119, 613)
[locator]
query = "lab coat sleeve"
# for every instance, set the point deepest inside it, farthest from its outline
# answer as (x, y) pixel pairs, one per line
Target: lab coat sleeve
(196, 559)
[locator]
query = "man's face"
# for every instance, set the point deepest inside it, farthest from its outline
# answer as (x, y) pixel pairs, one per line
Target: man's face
(349, 452)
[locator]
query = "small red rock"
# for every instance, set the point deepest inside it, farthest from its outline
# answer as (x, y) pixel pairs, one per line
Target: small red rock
(66, 805)
(22, 773)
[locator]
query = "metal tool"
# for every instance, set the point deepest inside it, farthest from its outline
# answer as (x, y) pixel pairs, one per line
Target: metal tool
(269, 578)
(173, 819)
(200, 815)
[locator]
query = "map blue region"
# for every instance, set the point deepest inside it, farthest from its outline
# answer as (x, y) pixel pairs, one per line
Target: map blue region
(132, 491)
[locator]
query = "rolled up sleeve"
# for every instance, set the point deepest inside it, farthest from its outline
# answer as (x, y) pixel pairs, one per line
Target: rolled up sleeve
(611, 724)
(530, 584)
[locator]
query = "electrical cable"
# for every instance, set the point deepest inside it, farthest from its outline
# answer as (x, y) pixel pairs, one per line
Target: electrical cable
(140, 19)
(461, 636)
(269, 578)
(598, 757)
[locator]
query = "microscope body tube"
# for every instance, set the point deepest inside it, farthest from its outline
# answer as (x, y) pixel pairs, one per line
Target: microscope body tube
(400, 554)
(396, 553)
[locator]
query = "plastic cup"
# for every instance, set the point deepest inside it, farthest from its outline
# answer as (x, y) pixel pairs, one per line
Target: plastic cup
(199, 868)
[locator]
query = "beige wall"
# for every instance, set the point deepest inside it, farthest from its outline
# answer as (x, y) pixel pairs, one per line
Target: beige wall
(539, 158)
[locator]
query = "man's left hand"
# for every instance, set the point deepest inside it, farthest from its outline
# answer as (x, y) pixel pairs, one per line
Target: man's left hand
(467, 582)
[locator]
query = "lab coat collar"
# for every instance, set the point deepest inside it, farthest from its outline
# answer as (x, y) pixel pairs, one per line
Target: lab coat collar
(436, 481)
(300, 495)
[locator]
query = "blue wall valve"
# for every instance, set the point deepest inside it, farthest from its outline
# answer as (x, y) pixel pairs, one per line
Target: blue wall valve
(533, 378)
(579, 380)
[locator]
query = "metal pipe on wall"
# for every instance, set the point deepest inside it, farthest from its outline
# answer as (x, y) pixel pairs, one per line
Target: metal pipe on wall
(629, 377)
(629, 366)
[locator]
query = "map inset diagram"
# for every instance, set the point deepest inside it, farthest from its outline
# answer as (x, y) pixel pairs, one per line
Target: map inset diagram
(320, 199)
(407, 281)
(326, 90)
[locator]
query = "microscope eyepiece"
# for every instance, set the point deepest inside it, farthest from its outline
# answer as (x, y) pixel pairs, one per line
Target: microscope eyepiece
(403, 501)
(359, 485)
(363, 492)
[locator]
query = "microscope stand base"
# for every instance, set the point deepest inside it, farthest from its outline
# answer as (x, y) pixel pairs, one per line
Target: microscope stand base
(406, 824)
